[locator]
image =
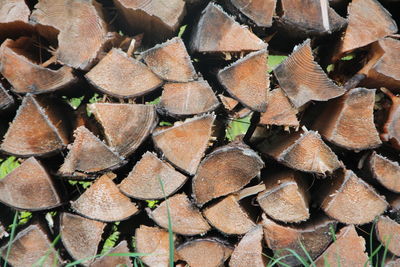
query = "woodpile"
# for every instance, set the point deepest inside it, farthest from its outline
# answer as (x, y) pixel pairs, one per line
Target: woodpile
(199, 133)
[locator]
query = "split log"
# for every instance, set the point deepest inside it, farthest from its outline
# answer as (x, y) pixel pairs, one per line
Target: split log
(286, 197)
(347, 250)
(354, 110)
(6, 100)
(109, 260)
(228, 217)
(14, 10)
(303, 151)
(180, 147)
(122, 76)
(104, 202)
(29, 187)
(247, 80)
(249, 252)
(388, 233)
(385, 171)
(80, 236)
(186, 99)
(391, 128)
(88, 155)
(204, 252)
(154, 242)
(350, 200)
(259, 11)
(82, 29)
(26, 73)
(125, 126)
(185, 218)
(3, 232)
(393, 262)
(28, 248)
(144, 181)
(303, 80)
(36, 130)
(224, 171)
(217, 32)
(231, 105)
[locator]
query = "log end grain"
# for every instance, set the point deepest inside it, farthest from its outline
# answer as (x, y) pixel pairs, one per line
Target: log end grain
(385, 171)
(108, 260)
(388, 233)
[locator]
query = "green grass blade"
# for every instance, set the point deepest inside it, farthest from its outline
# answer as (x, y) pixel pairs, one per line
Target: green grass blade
(307, 254)
(42, 260)
(129, 254)
(12, 234)
(302, 260)
(276, 261)
(386, 250)
(170, 233)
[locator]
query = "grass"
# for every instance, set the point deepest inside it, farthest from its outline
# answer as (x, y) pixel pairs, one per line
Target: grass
(237, 127)
(170, 233)
(7, 165)
(274, 60)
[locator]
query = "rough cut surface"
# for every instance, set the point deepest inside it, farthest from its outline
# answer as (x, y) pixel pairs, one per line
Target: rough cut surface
(12, 10)
(106, 260)
(385, 171)
(388, 233)
(260, 11)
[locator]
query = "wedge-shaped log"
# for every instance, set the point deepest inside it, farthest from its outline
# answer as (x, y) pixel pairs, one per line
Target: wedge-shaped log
(259, 11)
(125, 126)
(208, 252)
(121, 76)
(393, 262)
(217, 32)
(80, 236)
(152, 178)
(88, 154)
(28, 248)
(303, 80)
(385, 171)
(247, 80)
(109, 260)
(185, 218)
(350, 200)
(25, 74)
(104, 202)
(286, 197)
(82, 29)
(180, 146)
(304, 151)
(14, 10)
(249, 250)
(29, 187)
(347, 250)
(186, 99)
(224, 171)
(228, 217)
(354, 110)
(388, 233)
(6, 100)
(391, 128)
(36, 130)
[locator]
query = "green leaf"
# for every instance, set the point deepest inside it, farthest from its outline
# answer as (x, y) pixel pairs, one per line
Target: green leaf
(112, 238)
(152, 203)
(348, 57)
(274, 60)
(94, 99)
(330, 68)
(165, 123)
(155, 101)
(8, 165)
(74, 102)
(182, 30)
(237, 127)
(81, 183)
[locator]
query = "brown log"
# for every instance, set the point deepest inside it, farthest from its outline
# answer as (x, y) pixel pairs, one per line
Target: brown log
(393, 262)
(3, 232)
(350, 200)
(303, 80)
(388, 233)
(82, 29)
(6, 100)
(88, 155)
(122, 76)
(14, 10)
(28, 248)
(29, 187)
(224, 171)
(259, 11)
(228, 217)
(391, 128)
(180, 146)
(247, 80)
(204, 252)
(385, 171)
(217, 32)
(231, 105)
(110, 260)
(36, 130)
(152, 178)
(185, 218)
(186, 99)
(248, 251)
(80, 236)
(304, 151)
(103, 201)
(352, 111)
(125, 126)
(286, 197)
(26, 74)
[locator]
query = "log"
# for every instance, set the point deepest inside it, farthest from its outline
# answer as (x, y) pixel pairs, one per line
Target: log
(122, 76)
(224, 171)
(30, 187)
(6, 100)
(391, 127)
(217, 32)
(145, 180)
(14, 10)
(259, 11)
(125, 126)
(3, 232)
(303, 151)
(26, 73)
(294, 77)
(37, 129)
(286, 197)
(185, 218)
(385, 171)
(207, 252)
(180, 147)
(104, 202)
(354, 110)
(109, 260)
(388, 233)
(248, 251)
(80, 236)
(350, 200)
(231, 105)
(247, 80)
(393, 262)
